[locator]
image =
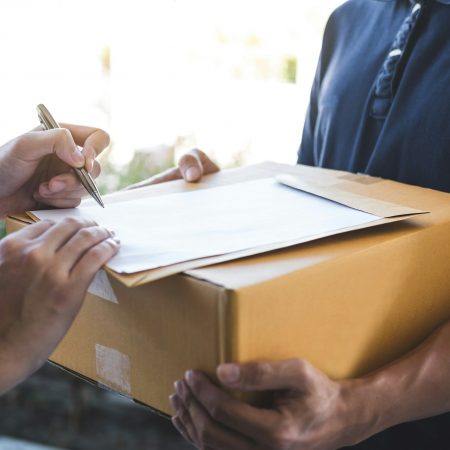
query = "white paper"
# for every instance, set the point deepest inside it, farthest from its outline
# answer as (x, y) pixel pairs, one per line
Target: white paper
(160, 231)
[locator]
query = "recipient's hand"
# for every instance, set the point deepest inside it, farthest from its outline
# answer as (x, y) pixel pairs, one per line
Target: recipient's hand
(309, 410)
(45, 270)
(191, 167)
(35, 168)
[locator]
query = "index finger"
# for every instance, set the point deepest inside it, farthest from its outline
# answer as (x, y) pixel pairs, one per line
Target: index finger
(34, 230)
(88, 137)
(93, 141)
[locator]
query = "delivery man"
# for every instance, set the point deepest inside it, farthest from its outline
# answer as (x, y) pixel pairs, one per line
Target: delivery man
(45, 269)
(380, 105)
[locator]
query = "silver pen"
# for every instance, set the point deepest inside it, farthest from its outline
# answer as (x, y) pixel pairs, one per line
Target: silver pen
(49, 123)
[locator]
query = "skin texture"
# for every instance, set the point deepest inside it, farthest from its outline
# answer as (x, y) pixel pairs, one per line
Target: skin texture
(308, 410)
(45, 269)
(37, 166)
(191, 167)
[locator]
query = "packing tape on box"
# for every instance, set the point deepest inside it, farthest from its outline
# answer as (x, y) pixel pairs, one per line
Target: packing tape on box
(113, 369)
(101, 287)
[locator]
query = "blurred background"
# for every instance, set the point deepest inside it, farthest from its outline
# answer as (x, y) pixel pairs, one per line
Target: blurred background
(161, 76)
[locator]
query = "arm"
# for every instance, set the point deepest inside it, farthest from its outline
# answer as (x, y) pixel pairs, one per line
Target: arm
(45, 269)
(191, 167)
(413, 387)
(309, 410)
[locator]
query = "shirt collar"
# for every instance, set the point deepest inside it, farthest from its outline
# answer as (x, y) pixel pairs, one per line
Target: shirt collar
(444, 2)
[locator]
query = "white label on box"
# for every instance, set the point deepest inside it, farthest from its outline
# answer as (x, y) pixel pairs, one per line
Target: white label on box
(113, 369)
(101, 287)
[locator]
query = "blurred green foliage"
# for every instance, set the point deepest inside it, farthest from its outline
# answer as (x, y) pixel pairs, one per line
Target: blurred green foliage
(290, 70)
(142, 166)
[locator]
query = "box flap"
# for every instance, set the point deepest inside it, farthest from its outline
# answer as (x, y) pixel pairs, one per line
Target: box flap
(364, 203)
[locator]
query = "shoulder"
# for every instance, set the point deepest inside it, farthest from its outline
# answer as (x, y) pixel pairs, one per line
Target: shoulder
(355, 15)
(357, 10)
(350, 23)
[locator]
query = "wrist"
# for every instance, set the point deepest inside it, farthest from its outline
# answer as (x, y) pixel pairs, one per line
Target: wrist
(13, 371)
(363, 402)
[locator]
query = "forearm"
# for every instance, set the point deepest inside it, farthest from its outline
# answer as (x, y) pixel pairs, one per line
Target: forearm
(413, 387)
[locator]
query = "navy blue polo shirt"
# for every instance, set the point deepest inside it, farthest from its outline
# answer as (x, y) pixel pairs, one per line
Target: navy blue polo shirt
(408, 139)
(395, 126)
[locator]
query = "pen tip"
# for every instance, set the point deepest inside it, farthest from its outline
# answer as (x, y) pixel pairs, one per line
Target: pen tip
(98, 199)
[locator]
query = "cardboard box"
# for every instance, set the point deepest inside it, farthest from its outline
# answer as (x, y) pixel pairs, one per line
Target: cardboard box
(348, 303)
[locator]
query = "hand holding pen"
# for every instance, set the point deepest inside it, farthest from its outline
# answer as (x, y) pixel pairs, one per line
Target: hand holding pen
(36, 167)
(49, 123)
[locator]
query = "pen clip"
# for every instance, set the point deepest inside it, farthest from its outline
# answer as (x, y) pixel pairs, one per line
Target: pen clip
(46, 119)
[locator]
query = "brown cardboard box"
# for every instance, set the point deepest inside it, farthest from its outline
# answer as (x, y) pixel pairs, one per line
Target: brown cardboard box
(347, 303)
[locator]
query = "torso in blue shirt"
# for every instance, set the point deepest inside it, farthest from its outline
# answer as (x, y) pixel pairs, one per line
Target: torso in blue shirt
(412, 142)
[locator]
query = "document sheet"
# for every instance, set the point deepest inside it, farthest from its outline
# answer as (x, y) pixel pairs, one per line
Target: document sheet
(172, 228)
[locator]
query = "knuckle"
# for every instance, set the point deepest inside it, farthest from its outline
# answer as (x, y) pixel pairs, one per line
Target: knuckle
(299, 365)
(111, 246)
(200, 154)
(10, 245)
(87, 234)
(106, 137)
(188, 159)
(71, 222)
(284, 437)
(64, 135)
(96, 255)
(55, 277)
(35, 256)
(256, 373)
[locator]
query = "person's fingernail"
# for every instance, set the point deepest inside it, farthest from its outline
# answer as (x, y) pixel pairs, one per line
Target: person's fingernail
(57, 186)
(179, 387)
(228, 373)
(192, 174)
(189, 375)
(78, 157)
(111, 232)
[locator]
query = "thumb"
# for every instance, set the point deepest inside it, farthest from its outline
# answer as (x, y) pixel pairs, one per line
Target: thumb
(35, 145)
(264, 376)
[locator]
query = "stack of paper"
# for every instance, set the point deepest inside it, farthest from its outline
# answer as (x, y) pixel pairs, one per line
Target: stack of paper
(166, 230)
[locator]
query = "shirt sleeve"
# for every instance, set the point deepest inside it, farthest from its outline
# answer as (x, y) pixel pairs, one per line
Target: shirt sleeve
(306, 149)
